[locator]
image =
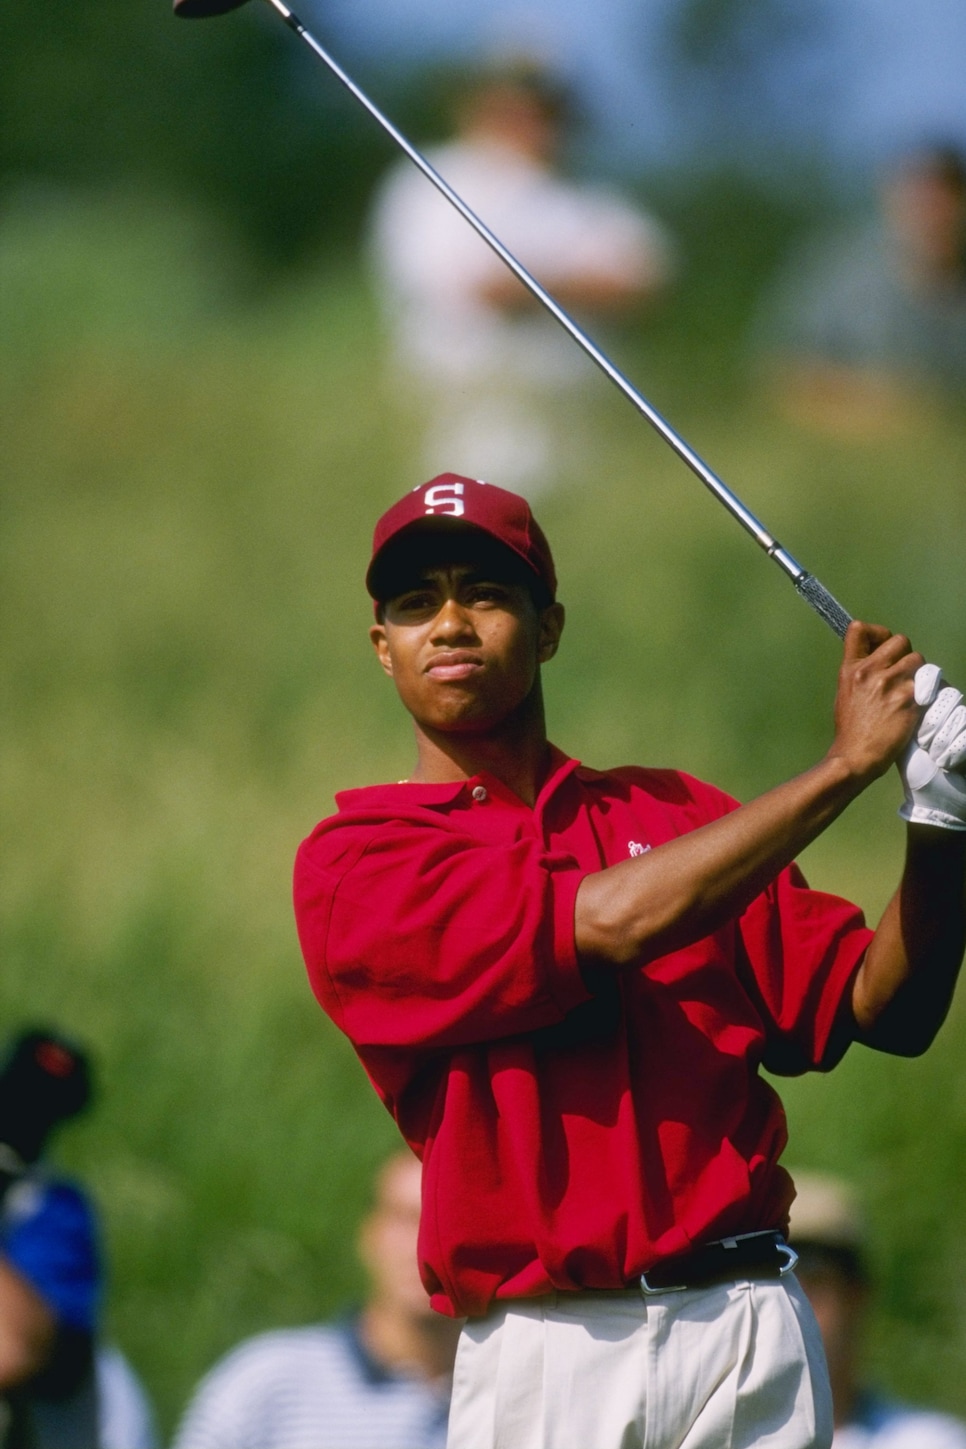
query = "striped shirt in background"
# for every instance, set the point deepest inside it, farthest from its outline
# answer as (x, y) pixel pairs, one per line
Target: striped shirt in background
(311, 1388)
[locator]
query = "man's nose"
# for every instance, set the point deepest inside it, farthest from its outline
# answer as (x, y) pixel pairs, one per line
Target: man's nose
(453, 621)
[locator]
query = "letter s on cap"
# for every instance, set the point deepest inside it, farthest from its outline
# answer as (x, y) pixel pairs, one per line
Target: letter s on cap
(445, 498)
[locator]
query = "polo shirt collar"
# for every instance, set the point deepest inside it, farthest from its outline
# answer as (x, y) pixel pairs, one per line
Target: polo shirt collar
(418, 792)
(372, 1371)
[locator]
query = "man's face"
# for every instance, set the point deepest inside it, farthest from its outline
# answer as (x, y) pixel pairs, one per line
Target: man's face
(387, 1238)
(463, 644)
(928, 216)
(516, 117)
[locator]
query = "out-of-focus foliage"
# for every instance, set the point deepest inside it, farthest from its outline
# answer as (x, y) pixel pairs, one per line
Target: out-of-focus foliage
(231, 113)
(188, 492)
(192, 464)
(728, 34)
(744, 70)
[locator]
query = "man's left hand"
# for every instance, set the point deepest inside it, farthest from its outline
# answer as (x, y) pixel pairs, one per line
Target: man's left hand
(933, 769)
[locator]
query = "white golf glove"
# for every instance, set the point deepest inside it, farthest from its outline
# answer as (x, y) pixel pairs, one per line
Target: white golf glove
(933, 769)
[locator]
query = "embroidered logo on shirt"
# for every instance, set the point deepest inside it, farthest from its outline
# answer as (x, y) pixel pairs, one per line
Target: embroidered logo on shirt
(634, 847)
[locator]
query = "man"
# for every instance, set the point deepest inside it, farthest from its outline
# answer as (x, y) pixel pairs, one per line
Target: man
(829, 1233)
(61, 1386)
(380, 1377)
(867, 328)
(499, 384)
(562, 984)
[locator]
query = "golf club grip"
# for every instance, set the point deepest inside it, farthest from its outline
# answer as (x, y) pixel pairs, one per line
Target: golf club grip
(825, 604)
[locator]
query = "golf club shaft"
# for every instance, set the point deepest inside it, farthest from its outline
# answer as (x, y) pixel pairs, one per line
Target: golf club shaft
(806, 584)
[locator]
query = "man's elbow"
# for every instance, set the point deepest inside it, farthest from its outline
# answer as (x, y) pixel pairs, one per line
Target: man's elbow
(627, 937)
(602, 943)
(604, 932)
(903, 1033)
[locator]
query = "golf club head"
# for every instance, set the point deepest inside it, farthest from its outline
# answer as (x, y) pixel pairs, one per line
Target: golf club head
(201, 9)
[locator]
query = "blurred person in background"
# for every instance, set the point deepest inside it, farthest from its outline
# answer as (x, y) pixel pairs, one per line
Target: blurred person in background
(380, 1376)
(828, 1231)
(495, 376)
(61, 1386)
(866, 331)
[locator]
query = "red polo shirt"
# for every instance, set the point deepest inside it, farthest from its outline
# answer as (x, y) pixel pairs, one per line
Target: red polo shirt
(573, 1131)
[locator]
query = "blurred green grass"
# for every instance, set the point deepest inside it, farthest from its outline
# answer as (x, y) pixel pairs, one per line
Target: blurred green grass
(188, 496)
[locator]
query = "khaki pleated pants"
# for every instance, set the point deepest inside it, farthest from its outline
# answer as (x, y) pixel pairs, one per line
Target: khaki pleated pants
(735, 1366)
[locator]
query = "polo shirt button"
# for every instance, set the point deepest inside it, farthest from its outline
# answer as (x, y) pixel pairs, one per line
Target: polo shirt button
(479, 793)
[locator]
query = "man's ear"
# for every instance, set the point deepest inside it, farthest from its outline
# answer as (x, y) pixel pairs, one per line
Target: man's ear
(551, 627)
(377, 636)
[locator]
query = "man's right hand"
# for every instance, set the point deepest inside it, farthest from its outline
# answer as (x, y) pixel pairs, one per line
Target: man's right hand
(687, 887)
(876, 712)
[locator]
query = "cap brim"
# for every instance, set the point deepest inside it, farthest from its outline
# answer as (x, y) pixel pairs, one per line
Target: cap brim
(386, 575)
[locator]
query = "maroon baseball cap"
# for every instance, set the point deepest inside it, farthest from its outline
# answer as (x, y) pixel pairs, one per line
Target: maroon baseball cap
(451, 501)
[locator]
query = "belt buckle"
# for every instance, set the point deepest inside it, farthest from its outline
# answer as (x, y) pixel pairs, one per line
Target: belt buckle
(790, 1256)
(781, 1247)
(651, 1290)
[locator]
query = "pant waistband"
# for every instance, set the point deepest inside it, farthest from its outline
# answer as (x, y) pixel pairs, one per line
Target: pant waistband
(748, 1255)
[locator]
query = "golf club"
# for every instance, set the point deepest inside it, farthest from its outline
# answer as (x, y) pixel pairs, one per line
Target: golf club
(808, 587)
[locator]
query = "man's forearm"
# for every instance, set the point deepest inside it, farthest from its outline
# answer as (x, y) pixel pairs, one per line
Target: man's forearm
(905, 984)
(27, 1328)
(685, 889)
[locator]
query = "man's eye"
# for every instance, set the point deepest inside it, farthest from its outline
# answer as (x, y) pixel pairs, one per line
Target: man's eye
(487, 593)
(413, 602)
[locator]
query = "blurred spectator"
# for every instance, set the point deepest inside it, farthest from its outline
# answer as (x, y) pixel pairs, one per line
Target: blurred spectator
(829, 1234)
(60, 1386)
(378, 1377)
(497, 377)
(867, 329)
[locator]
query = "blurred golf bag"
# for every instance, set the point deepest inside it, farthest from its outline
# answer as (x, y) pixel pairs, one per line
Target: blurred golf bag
(44, 1081)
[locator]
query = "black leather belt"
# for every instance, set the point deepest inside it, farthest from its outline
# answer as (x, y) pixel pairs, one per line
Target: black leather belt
(749, 1255)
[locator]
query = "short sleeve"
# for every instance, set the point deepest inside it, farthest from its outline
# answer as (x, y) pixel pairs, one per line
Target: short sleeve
(419, 935)
(801, 949)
